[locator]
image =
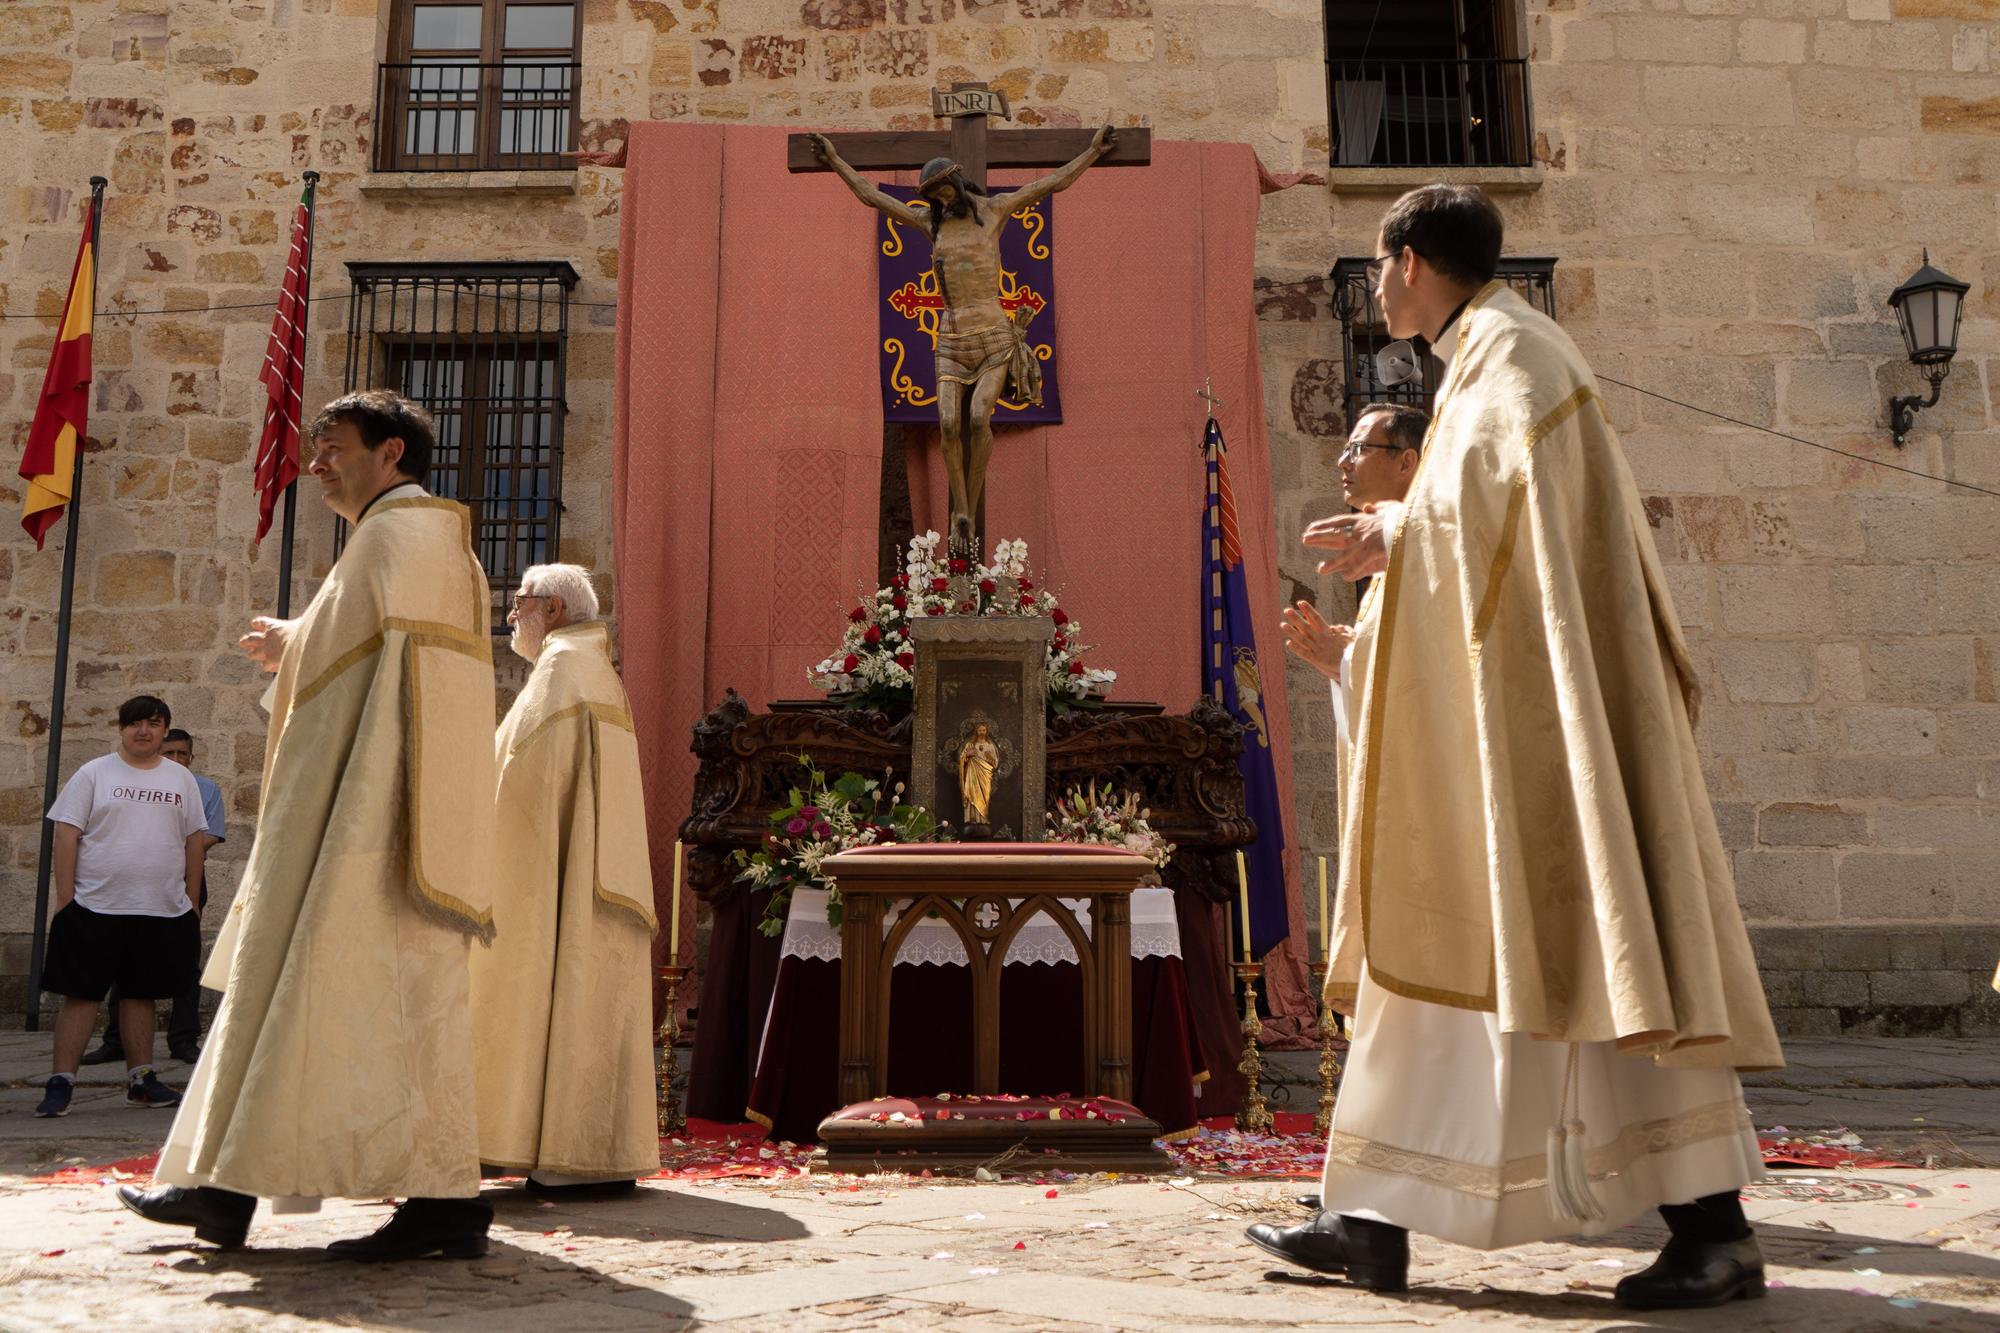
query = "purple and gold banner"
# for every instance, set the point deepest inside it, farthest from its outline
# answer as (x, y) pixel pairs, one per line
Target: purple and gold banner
(910, 305)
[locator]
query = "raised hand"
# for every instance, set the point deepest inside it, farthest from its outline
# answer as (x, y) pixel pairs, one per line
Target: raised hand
(1105, 140)
(1359, 542)
(1313, 640)
(265, 643)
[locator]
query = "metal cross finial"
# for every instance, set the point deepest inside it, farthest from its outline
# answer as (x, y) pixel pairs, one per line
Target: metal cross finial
(1207, 391)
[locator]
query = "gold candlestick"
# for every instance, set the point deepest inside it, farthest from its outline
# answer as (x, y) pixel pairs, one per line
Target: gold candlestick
(1255, 1116)
(1329, 1069)
(673, 1119)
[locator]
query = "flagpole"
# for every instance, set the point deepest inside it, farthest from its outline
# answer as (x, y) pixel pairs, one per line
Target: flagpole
(292, 491)
(50, 776)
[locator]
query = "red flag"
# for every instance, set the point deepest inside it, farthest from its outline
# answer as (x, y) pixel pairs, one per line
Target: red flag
(48, 463)
(284, 374)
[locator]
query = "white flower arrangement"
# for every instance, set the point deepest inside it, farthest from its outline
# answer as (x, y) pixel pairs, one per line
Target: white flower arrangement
(1100, 816)
(876, 660)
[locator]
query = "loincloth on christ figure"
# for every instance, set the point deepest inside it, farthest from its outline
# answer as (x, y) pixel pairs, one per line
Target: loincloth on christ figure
(962, 358)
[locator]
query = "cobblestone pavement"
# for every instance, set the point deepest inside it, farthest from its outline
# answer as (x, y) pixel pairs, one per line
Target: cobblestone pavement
(1858, 1250)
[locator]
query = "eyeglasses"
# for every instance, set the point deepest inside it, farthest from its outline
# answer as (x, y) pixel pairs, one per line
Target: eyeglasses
(1372, 270)
(1354, 448)
(520, 597)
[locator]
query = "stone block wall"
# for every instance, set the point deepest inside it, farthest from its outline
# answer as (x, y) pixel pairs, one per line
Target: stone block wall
(1731, 188)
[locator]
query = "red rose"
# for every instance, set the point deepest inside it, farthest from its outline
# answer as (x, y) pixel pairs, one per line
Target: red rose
(900, 581)
(858, 614)
(852, 664)
(906, 660)
(1059, 643)
(986, 586)
(1060, 616)
(960, 566)
(1027, 600)
(873, 634)
(934, 611)
(1027, 585)
(940, 583)
(899, 601)
(1076, 668)
(965, 608)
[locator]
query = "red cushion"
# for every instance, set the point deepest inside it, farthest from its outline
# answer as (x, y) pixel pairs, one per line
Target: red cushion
(991, 1106)
(901, 849)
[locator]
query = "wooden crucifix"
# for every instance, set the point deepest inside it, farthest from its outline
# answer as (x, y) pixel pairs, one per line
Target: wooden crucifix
(981, 347)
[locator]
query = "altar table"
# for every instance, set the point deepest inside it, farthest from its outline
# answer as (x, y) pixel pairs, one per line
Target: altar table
(796, 1082)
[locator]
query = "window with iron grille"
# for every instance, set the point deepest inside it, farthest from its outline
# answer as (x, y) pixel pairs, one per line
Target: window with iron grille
(1427, 83)
(1363, 332)
(484, 347)
(478, 84)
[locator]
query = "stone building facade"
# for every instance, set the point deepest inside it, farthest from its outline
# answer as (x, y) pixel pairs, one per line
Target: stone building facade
(1730, 189)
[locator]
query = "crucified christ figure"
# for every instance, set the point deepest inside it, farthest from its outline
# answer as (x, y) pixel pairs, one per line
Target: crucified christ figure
(980, 348)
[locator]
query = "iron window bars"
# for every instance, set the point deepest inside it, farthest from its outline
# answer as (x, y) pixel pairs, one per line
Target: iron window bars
(1430, 113)
(1363, 332)
(483, 346)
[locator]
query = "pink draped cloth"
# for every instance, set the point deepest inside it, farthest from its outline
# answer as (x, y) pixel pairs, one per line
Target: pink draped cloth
(749, 440)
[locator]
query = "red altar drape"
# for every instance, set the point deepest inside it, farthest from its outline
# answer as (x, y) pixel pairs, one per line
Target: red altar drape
(749, 438)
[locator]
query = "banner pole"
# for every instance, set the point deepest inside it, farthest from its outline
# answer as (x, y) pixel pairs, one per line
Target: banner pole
(45, 863)
(292, 491)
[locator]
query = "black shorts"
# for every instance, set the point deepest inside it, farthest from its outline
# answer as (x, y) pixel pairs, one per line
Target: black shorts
(147, 957)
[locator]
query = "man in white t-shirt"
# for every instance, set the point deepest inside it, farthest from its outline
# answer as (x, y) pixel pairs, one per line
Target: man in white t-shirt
(122, 911)
(184, 1026)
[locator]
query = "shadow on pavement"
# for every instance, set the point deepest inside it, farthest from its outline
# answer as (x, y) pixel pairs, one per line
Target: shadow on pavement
(506, 1289)
(649, 1214)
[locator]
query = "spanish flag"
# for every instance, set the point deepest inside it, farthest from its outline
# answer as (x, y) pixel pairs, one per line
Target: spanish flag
(49, 462)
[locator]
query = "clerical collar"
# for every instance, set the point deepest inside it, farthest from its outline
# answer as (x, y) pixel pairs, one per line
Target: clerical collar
(1441, 346)
(402, 490)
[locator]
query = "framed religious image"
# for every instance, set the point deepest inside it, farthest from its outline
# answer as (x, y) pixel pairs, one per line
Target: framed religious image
(981, 710)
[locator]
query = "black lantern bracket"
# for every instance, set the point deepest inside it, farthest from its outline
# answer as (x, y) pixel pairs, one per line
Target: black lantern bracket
(1903, 408)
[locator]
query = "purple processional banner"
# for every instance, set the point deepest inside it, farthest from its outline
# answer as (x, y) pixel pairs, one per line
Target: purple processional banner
(911, 303)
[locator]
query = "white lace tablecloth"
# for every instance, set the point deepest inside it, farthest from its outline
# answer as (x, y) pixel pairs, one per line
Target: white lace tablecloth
(1156, 933)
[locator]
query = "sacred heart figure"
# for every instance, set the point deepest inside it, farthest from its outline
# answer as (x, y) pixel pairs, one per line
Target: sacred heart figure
(978, 761)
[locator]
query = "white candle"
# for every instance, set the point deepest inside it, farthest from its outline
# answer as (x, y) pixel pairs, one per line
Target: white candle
(1325, 922)
(1243, 898)
(674, 931)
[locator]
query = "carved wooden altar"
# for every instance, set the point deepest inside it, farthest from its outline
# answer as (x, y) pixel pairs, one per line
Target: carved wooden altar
(1182, 766)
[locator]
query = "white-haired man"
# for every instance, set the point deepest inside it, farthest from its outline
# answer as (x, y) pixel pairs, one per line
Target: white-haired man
(562, 1004)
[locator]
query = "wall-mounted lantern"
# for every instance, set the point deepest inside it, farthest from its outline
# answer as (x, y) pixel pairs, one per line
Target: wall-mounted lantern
(1928, 306)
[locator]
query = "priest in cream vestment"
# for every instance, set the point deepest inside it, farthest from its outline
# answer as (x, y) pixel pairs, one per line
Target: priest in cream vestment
(1537, 931)
(562, 1004)
(340, 1064)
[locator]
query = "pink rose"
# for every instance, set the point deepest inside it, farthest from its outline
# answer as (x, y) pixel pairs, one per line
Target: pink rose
(797, 826)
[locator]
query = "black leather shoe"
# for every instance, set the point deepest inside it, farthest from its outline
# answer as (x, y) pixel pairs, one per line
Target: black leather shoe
(420, 1228)
(1692, 1275)
(186, 1052)
(1309, 1202)
(1374, 1255)
(220, 1217)
(583, 1191)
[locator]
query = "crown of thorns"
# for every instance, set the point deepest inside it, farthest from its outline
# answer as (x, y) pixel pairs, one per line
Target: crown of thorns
(939, 170)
